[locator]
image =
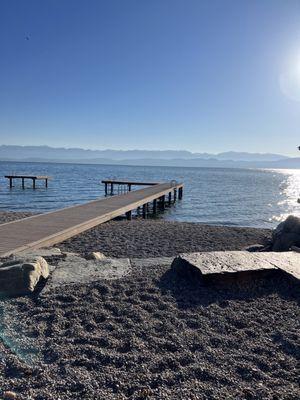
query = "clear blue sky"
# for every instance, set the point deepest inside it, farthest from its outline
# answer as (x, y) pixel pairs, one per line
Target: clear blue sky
(151, 74)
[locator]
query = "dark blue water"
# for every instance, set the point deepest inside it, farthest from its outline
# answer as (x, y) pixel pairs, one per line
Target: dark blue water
(241, 197)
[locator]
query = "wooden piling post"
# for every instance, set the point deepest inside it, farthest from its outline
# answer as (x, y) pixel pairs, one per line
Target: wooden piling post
(33, 183)
(111, 189)
(154, 206)
(180, 193)
(23, 183)
(145, 210)
(129, 187)
(162, 202)
(170, 198)
(175, 195)
(46, 182)
(129, 215)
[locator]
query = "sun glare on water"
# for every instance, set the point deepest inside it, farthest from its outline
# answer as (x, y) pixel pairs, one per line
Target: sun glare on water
(290, 193)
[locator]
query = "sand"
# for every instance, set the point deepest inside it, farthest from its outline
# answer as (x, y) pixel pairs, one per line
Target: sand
(153, 334)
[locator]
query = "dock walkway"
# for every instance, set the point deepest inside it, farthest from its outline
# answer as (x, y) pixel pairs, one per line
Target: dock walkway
(53, 227)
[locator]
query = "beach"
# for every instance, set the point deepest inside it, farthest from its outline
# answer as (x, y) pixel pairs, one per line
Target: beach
(153, 334)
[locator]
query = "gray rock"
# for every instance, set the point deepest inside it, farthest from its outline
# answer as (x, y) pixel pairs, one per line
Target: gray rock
(225, 264)
(20, 276)
(221, 263)
(287, 234)
(254, 248)
(96, 255)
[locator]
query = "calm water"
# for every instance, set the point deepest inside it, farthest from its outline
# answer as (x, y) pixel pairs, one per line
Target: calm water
(258, 198)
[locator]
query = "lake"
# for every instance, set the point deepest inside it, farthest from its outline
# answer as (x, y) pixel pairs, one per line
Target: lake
(236, 197)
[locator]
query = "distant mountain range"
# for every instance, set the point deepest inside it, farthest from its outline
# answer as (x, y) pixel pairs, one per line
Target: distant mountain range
(182, 158)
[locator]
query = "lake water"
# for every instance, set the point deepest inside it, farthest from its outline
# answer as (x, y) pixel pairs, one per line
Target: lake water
(238, 197)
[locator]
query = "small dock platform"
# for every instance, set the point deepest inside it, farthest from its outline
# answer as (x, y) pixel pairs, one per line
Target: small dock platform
(110, 184)
(34, 178)
(54, 227)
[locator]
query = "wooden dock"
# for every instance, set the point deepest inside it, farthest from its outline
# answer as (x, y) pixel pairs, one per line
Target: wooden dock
(54, 227)
(34, 178)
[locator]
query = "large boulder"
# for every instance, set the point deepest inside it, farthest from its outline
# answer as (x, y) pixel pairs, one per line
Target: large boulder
(20, 276)
(287, 234)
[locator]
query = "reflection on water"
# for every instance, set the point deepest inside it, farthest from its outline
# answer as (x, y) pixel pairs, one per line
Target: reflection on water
(290, 193)
(236, 197)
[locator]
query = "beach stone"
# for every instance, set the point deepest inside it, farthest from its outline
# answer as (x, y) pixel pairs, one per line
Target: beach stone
(287, 234)
(255, 247)
(221, 263)
(96, 255)
(20, 276)
(218, 264)
(9, 395)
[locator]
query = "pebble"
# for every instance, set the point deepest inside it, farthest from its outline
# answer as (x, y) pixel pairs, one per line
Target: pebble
(8, 395)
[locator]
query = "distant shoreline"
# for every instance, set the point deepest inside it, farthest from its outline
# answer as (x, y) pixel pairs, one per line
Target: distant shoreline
(112, 163)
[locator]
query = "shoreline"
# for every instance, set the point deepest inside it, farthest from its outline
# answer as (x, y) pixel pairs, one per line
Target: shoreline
(141, 238)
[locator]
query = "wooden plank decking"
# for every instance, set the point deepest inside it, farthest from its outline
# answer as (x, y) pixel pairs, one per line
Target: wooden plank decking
(54, 227)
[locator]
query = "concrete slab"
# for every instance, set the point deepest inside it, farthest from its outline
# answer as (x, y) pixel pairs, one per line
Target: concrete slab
(75, 269)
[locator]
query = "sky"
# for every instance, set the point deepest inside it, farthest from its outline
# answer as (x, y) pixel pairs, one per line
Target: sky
(205, 76)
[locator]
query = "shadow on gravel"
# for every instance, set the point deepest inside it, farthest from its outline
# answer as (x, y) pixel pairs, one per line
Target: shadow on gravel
(192, 290)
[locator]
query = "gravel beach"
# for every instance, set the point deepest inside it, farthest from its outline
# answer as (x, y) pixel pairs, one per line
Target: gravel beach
(153, 334)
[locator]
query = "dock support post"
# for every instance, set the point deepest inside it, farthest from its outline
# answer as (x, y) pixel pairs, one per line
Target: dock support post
(129, 187)
(33, 183)
(145, 210)
(23, 183)
(129, 215)
(180, 193)
(162, 202)
(111, 189)
(10, 183)
(105, 189)
(154, 206)
(170, 198)
(175, 195)
(46, 182)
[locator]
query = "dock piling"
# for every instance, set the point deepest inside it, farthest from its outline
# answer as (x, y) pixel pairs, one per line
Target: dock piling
(145, 211)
